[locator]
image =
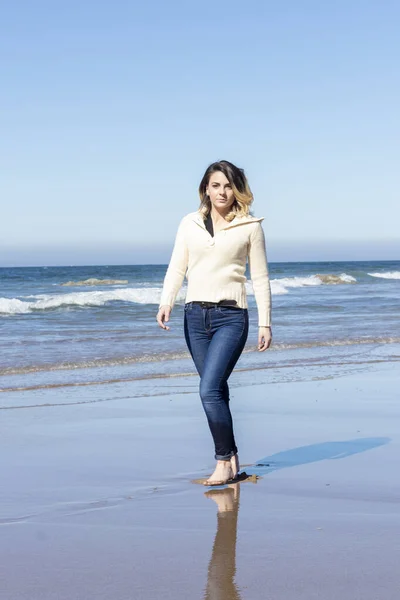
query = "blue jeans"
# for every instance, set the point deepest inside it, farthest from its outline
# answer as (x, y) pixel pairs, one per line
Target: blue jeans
(216, 337)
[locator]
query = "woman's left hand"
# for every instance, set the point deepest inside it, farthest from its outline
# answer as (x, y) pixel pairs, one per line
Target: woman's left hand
(264, 338)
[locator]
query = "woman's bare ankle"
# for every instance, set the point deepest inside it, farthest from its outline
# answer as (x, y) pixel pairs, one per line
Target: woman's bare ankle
(235, 465)
(222, 472)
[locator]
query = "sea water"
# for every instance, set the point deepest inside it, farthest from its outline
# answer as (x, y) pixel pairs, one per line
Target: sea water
(78, 326)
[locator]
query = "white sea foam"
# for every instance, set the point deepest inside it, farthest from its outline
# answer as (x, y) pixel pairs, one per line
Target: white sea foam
(146, 295)
(13, 306)
(318, 279)
(47, 301)
(280, 286)
(276, 288)
(387, 275)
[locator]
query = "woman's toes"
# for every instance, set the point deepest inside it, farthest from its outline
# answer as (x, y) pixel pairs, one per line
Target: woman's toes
(223, 472)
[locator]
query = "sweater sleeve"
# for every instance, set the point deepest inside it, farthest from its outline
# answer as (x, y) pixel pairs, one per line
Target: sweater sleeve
(176, 269)
(259, 275)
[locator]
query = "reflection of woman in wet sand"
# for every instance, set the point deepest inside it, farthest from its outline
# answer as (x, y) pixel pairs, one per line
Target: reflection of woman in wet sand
(222, 566)
(211, 248)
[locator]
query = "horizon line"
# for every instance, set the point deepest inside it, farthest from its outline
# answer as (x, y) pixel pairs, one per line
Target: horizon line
(166, 264)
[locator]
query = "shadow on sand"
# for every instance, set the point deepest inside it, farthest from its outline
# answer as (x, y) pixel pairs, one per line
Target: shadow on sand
(313, 453)
(221, 583)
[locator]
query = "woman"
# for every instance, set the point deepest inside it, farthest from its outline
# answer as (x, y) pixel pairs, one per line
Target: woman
(211, 248)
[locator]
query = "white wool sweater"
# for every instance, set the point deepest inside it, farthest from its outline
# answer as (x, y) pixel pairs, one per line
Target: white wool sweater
(215, 266)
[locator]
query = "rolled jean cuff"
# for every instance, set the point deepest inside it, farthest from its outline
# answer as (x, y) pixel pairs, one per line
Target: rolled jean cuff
(225, 457)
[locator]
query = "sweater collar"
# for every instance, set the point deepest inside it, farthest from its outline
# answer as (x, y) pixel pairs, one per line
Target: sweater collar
(198, 218)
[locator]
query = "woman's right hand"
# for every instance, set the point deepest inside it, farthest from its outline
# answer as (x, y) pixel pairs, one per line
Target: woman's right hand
(163, 316)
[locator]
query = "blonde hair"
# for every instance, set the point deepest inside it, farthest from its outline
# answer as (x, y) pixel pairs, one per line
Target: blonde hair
(240, 188)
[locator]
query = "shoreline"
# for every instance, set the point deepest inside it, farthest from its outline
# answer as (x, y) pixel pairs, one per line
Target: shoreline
(340, 358)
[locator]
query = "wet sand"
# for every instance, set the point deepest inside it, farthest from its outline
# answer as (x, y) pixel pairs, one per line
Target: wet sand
(97, 499)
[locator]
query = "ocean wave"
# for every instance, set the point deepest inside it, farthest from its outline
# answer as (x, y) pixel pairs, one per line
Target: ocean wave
(330, 279)
(182, 355)
(93, 281)
(96, 363)
(343, 364)
(47, 301)
(387, 275)
(143, 295)
(280, 285)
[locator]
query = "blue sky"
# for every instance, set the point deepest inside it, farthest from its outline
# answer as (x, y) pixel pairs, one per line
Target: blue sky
(111, 112)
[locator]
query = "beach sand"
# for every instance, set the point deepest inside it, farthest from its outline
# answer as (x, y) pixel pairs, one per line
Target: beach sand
(98, 499)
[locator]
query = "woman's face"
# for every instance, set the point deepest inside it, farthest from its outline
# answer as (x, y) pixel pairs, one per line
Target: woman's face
(220, 192)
